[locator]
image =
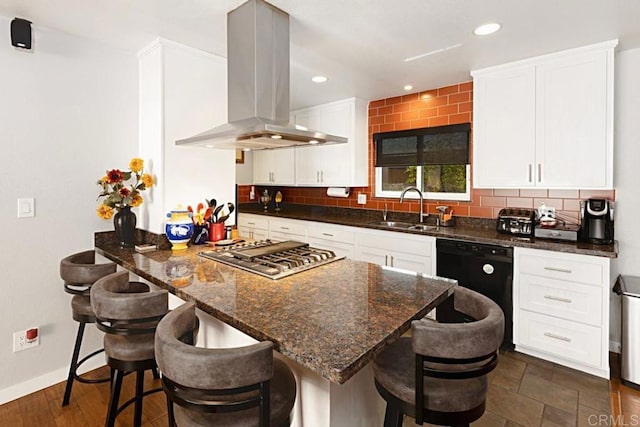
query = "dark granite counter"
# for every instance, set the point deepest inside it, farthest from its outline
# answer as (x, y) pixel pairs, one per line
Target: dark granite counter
(332, 319)
(470, 229)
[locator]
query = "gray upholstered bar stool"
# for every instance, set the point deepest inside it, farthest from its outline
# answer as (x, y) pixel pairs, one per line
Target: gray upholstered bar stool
(244, 386)
(439, 374)
(128, 313)
(79, 271)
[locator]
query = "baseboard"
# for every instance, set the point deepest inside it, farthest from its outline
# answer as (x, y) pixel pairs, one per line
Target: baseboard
(47, 380)
(615, 347)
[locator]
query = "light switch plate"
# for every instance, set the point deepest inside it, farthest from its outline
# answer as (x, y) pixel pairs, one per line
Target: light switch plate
(26, 208)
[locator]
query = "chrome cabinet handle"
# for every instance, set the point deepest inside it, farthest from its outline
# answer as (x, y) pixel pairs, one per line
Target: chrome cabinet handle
(321, 176)
(391, 256)
(251, 223)
(284, 228)
(386, 259)
(530, 172)
(557, 337)
(554, 298)
(539, 172)
(317, 176)
(561, 270)
(327, 234)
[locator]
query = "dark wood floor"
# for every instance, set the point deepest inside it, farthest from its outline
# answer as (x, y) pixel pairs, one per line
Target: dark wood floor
(89, 402)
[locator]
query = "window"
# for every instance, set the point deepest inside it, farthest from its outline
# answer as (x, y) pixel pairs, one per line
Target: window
(436, 160)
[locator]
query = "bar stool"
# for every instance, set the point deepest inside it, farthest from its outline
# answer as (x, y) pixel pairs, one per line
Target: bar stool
(439, 374)
(79, 271)
(243, 386)
(128, 313)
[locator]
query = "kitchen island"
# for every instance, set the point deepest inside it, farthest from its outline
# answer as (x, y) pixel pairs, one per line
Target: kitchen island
(328, 322)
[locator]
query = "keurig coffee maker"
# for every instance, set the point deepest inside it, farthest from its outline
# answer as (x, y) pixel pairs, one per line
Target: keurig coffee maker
(596, 219)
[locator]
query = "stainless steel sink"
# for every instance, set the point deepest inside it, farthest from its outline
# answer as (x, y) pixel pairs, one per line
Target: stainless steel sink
(391, 224)
(422, 227)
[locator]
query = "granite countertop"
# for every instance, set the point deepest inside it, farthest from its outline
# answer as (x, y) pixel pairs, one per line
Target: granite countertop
(332, 319)
(470, 229)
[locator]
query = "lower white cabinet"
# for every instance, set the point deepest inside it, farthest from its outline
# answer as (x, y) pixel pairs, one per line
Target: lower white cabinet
(287, 229)
(561, 308)
(399, 250)
(253, 227)
(337, 238)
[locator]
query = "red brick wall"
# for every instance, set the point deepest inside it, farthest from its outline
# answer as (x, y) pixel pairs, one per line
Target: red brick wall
(444, 106)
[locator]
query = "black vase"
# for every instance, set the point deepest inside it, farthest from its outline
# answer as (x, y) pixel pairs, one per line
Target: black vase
(124, 222)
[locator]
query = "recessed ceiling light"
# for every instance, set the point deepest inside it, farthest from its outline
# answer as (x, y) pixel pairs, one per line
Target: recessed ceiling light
(319, 79)
(246, 149)
(276, 136)
(313, 141)
(408, 87)
(486, 29)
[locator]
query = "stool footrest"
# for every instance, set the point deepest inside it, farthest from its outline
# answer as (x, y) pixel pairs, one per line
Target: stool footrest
(89, 380)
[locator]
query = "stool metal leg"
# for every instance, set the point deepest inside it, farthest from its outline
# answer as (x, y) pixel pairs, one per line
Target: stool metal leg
(74, 364)
(112, 410)
(137, 417)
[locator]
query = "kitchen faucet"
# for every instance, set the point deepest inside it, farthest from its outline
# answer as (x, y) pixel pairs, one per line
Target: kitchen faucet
(422, 214)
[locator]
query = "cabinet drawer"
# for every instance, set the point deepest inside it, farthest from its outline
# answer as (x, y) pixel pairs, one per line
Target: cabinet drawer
(574, 268)
(253, 221)
(567, 300)
(563, 338)
(396, 242)
(287, 227)
(334, 234)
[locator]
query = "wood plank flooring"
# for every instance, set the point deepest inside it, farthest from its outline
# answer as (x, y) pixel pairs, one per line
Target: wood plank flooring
(89, 404)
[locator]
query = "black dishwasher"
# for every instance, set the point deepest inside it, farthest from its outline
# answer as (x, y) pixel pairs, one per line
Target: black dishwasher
(487, 269)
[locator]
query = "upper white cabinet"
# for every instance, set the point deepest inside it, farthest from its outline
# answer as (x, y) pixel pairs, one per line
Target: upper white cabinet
(271, 167)
(546, 122)
(339, 164)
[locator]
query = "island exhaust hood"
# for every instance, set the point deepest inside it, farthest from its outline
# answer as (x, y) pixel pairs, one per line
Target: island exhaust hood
(258, 85)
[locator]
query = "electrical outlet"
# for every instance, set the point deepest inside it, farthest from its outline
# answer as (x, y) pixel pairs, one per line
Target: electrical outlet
(252, 193)
(23, 340)
(362, 199)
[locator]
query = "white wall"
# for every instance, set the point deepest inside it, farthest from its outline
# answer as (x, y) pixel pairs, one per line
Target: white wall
(183, 92)
(68, 113)
(626, 172)
(244, 171)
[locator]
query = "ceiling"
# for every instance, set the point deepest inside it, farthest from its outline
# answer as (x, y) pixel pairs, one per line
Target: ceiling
(360, 45)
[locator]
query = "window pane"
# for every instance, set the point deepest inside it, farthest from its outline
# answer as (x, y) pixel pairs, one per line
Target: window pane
(446, 149)
(396, 179)
(444, 178)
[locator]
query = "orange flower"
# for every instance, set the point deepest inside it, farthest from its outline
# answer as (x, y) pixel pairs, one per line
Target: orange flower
(136, 164)
(136, 200)
(104, 211)
(147, 180)
(114, 176)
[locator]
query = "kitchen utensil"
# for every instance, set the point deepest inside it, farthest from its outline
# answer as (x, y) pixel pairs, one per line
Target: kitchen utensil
(212, 203)
(216, 211)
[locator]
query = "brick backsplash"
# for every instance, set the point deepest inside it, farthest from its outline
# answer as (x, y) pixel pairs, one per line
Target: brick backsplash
(444, 106)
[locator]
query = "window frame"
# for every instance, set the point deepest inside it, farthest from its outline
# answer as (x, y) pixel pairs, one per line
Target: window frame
(463, 197)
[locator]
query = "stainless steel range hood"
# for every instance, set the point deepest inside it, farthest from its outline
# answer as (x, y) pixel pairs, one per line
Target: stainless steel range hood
(258, 85)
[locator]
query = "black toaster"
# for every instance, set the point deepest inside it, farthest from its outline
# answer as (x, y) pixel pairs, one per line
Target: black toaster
(516, 221)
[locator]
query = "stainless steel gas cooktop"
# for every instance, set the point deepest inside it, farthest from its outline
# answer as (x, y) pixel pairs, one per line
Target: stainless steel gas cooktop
(272, 259)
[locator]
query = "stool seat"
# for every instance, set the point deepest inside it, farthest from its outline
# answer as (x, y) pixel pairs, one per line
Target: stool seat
(81, 309)
(79, 272)
(283, 393)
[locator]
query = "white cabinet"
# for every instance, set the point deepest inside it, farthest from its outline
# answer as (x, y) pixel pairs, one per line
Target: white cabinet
(561, 308)
(550, 117)
(339, 164)
(287, 229)
(253, 227)
(339, 239)
(394, 249)
(271, 167)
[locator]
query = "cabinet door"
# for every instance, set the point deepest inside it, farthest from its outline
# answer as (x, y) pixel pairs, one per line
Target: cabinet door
(504, 128)
(372, 255)
(417, 263)
(263, 166)
(572, 126)
(340, 249)
(274, 166)
(307, 158)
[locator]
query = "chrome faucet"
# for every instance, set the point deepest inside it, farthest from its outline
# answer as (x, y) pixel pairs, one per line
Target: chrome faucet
(422, 214)
(384, 212)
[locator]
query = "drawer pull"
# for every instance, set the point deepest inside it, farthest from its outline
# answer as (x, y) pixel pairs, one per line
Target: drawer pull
(558, 337)
(284, 228)
(251, 223)
(567, 300)
(561, 270)
(327, 234)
